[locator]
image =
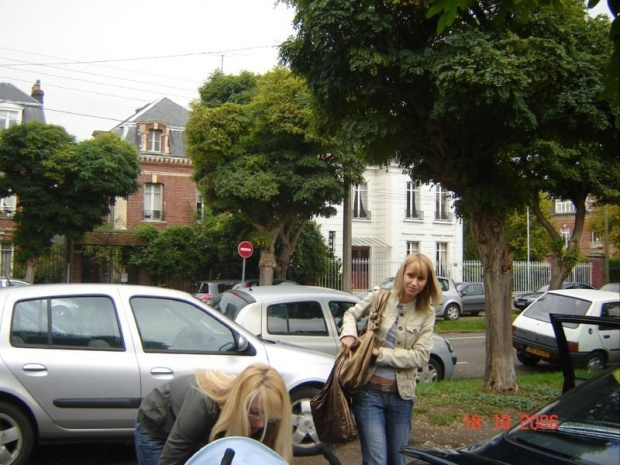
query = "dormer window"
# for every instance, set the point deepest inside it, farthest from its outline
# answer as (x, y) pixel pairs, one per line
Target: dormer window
(154, 140)
(8, 119)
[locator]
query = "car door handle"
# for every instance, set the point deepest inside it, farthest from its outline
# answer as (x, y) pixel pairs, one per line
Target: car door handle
(34, 368)
(161, 371)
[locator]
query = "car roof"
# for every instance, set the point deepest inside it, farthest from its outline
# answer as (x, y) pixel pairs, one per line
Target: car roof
(54, 290)
(595, 295)
(271, 292)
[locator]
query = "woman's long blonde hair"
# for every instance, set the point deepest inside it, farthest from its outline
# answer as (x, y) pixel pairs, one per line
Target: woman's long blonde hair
(422, 267)
(234, 395)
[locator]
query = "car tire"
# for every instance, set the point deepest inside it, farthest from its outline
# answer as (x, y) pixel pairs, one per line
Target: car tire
(527, 359)
(18, 434)
(596, 361)
(434, 371)
(451, 312)
(305, 438)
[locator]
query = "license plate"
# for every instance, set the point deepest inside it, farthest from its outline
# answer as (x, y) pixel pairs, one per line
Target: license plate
(536, 351)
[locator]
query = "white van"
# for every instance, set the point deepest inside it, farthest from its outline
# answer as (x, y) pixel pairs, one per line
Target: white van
(592, 346)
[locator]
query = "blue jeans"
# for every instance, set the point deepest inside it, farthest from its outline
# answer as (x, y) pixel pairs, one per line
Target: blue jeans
(148, 450)
(383, 422)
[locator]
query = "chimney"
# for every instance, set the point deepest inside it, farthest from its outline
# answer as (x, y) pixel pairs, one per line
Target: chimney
(37, 93)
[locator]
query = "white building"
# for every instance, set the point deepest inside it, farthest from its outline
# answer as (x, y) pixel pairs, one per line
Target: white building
(392, 217)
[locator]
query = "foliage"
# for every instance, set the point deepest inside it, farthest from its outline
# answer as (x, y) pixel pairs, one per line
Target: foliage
(63, 188)
(597, 224)
(170, 255)
(311, 258)
(264, 158)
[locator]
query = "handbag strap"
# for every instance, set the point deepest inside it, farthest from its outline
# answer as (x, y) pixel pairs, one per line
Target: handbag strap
(380, 303)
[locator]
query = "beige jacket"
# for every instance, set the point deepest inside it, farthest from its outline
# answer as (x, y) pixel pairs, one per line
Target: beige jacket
(413, 338)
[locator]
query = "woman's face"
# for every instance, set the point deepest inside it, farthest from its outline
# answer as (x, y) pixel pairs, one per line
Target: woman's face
(413, 284)
(256, 415)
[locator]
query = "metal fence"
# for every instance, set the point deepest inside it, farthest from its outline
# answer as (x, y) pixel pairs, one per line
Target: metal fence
(527, 276)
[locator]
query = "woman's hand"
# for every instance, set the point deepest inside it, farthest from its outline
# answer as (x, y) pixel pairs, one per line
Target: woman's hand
(347, 342)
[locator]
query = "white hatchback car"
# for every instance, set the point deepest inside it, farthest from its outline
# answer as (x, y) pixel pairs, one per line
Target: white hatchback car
(77, 359)
(591, 346)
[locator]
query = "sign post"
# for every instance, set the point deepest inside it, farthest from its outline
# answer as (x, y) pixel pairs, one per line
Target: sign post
(245, 250)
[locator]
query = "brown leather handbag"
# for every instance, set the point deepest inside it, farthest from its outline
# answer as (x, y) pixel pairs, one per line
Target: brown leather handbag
(331, 410)
(358, 360)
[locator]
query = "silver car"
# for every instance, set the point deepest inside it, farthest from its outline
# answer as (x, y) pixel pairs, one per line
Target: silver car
(311, 317)
(81, 373)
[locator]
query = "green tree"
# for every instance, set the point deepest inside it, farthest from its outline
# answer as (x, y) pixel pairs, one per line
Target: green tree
(458, 109)
(265, 160)
(604, 219)
(311, 258)
(63, 188)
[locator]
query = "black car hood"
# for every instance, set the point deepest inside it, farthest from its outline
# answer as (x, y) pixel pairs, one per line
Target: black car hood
(441, 456)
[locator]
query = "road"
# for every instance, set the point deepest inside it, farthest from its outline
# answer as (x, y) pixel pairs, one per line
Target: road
(469, 347)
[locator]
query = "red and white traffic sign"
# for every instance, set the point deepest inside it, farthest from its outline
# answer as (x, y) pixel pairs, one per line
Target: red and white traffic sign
(245, 249)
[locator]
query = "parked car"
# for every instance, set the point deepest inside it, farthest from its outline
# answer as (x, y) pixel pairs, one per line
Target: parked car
(472, 296)
(256, 282)
(592, 346)
(206, 290)
(522, 301)
(581, 427)
(311, 317)
(613, 287)
(83, 375)
(8, 282)
(451, 304)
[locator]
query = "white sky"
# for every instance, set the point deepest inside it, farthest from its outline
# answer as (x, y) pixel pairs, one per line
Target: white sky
(195, 37)
(189, 38)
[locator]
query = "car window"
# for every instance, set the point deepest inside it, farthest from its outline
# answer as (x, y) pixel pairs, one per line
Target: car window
(228, 303)
(445, 285)
(71, 322)
(553, 303)
(475, 289)
(296, 318)
(337, 309)
(173, 325)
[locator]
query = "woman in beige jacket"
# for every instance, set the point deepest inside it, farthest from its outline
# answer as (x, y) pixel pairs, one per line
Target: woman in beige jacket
(383, 407)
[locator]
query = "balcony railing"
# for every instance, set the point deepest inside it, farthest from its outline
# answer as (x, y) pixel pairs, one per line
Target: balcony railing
(414, 215)
(443, 216)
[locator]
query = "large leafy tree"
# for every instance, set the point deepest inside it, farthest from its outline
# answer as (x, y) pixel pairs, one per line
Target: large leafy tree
(259, 154)
(458, 109)
(63, 188)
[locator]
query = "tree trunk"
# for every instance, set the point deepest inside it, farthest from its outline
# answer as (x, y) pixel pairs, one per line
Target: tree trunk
(488, 231)
(31, 269)
(267, 262)
(290, 237)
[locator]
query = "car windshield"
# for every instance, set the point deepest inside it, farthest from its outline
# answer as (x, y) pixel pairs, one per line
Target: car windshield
(584, 425)
(554, 303)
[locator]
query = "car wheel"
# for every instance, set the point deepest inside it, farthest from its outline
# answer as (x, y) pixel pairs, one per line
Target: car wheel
(432, 373)
(305, 438)
(527, 359)
(16, 435)
(451, 312)
(596, 361)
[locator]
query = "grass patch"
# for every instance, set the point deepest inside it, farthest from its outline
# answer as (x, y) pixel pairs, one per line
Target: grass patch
(462, 325)
(450, 401)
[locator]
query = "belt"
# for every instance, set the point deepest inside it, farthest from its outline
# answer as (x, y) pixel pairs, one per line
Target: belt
(382, 385)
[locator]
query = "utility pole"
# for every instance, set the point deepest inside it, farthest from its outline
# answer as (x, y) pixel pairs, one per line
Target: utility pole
(346, 239)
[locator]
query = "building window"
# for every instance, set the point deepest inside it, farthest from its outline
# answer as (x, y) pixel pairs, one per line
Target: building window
(154, 140)
(442, 204)
(566, 237)
(200, 205)
(564, 206)
(413, 201)
(441, 258)
(596, 237)
(7, 206)
(413, 247)
(153, 202)
(331, 244)
(360, 202)
(8, 119)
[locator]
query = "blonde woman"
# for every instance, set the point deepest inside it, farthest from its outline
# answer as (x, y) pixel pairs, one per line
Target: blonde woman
(178, 418)
(383, 407)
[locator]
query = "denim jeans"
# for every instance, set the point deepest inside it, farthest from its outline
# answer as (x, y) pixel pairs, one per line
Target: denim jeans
(383, 422)
(148, 450)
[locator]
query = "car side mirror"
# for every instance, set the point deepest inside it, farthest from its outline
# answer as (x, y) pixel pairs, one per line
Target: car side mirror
(242, 343)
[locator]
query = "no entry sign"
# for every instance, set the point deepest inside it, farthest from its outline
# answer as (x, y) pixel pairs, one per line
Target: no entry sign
(245, 249)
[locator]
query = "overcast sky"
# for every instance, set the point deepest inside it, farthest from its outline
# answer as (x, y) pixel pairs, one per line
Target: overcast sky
(144, 49)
